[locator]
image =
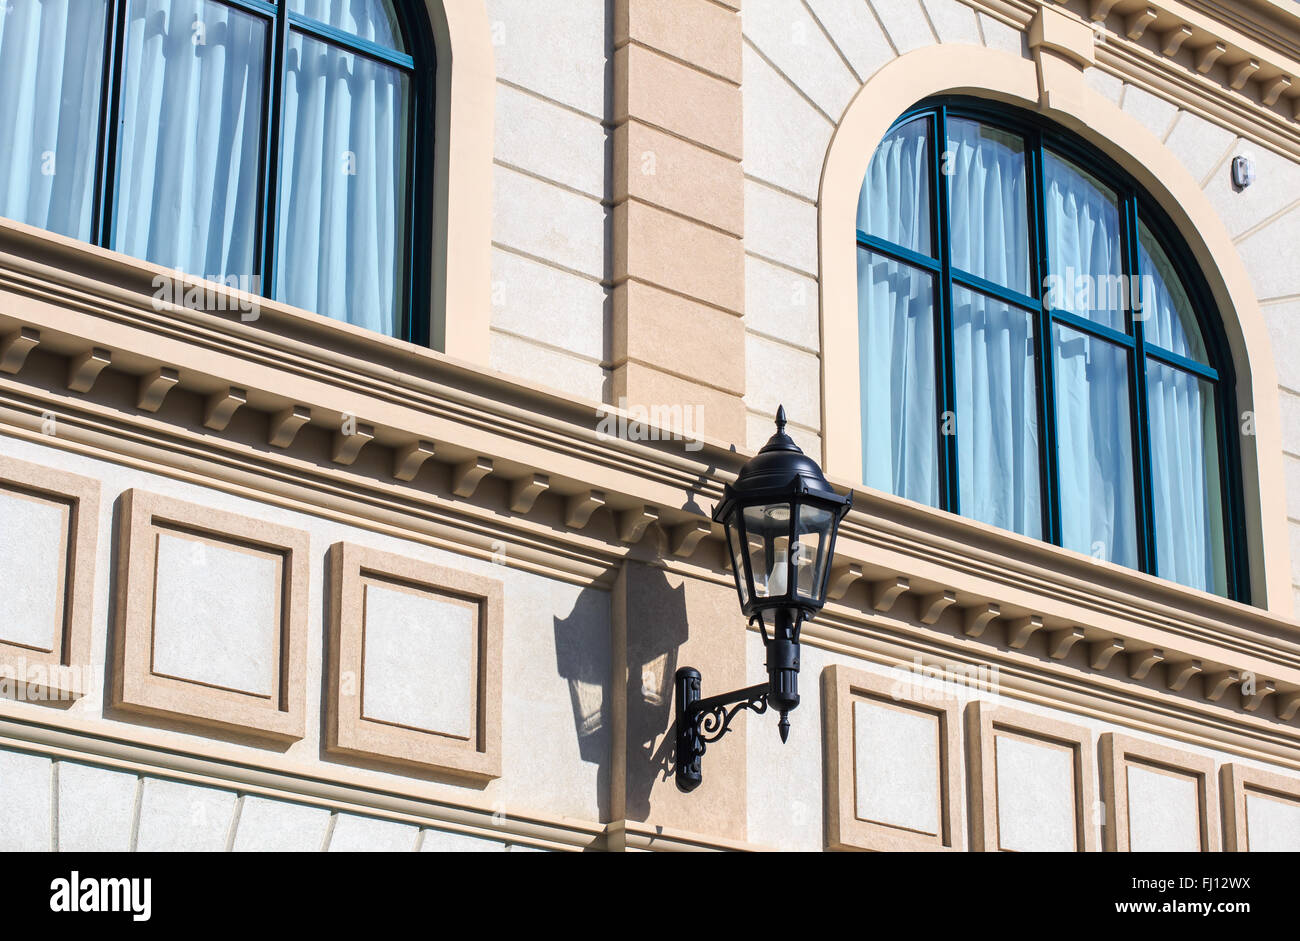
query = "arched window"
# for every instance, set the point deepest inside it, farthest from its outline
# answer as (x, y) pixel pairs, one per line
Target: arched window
(268, 144)
(1037, 350)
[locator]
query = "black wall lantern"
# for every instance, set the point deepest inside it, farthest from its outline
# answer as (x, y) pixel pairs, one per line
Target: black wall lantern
(781, 518)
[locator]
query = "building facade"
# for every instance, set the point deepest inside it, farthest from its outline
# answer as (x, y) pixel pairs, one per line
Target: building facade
(369, 374)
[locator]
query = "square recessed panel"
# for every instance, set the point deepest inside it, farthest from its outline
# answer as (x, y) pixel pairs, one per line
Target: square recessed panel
(418, 660)
(896, 753)
(1164, 811)
(217, 614)
(1035, 795)
(893, 765)
(211, 618)
(49, 522)
(414, 663)
(1272, 823)
(33, 568)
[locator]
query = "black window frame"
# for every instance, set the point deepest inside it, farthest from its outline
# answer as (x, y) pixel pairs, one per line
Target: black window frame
(1136, 207)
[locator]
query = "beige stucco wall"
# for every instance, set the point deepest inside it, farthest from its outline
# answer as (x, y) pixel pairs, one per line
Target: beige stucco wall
(551, 188)
(555, 678)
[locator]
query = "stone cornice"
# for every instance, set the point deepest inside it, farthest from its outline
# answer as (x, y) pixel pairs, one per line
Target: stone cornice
(1237, 66)
(516, 473)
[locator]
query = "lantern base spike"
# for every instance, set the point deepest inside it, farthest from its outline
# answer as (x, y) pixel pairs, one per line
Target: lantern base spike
(784, 727)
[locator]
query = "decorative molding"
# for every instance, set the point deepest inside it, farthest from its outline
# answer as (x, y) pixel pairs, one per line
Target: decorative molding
(278, 713)
(524, 491)
(285, 425)
(348, 446)
(1119, 752)
(353, 572)
(977, 617)
(15, 347)
(984, 724)
(220, 407)
(62, 670)
(932, 606)
(847, 824)
(843, 577)
(1240, 781)
(1101, 652)
(1060, 643)
(408, 459)
(886, 591)
(466, 476)
(683, 539)
(86, 367)
(154, 387)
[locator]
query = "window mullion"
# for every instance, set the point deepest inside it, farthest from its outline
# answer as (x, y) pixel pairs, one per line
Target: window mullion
(949, 479)
(110, 107)
(277, 75)
(1138, 392)
(1049, 471)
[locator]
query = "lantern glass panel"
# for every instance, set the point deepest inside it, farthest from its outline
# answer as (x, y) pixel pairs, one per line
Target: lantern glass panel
(812, 537)
(738, 560)
(767, 536)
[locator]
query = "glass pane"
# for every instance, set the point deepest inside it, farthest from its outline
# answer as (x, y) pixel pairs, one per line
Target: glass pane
(997, 413)
(988, 220)
(1167, 315)
(767, 532)
(374, 20)
(1094, 447)
(738, 563)
(1187, 491)
(1085, 272)
(813, 534)
(900, 448)
(191, 141)
(895, 200)
(343, 185)
(51, 70)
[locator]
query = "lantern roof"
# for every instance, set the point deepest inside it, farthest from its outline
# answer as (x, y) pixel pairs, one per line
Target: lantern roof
(780, 469)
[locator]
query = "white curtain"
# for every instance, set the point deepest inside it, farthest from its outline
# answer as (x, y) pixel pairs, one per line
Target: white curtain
(997, 413)
(343, 194)
(988, 218)
(896, 322)
(1083, 245)
(369, 19)
(1094, 447)
(894, 204)
(1187, 493)
(191, 144)
(1166, 312)
(51, 72)
(899, 410)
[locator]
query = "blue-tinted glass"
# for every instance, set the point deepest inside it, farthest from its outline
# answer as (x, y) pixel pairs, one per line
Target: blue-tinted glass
(1167, 316)
(896, 359)
(51, 72)
(988, 220)
(895, 200)
(343, 185)
(1186, 487)
(1085, 271)
(1094, 447)
(191, 137)
(374, 20)
(997, 413)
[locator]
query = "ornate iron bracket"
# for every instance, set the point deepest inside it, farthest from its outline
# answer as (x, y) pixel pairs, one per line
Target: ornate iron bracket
(700, 722)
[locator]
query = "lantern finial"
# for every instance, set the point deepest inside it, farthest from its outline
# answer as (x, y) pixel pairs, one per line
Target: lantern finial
(780, 419)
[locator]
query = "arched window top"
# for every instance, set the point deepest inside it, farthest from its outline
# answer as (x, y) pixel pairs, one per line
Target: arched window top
(1036, 349)
(279, 146)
